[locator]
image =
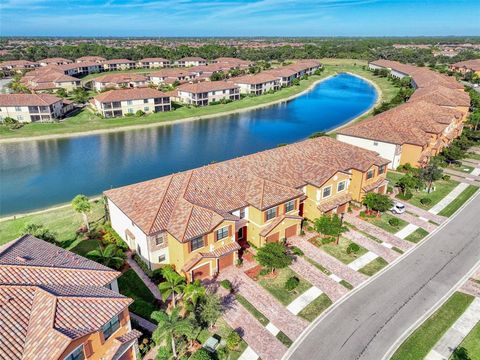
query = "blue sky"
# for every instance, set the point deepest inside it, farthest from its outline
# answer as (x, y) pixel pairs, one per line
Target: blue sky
(239, 17)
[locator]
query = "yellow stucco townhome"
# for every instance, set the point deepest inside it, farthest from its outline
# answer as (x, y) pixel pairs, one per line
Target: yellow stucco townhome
(197, 220)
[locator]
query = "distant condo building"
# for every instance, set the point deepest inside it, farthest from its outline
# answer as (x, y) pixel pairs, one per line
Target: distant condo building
(191, 61)
(204, 93)
(33, 107)
(152, 63)
(116, 81)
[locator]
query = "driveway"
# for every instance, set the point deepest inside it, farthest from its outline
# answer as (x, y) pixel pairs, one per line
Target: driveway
(368, 323)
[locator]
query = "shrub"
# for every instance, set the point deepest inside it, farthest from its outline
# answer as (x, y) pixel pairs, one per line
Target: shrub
(39, 231)
(407, 196)
(297, 251)
(389, 189)
(143, 265)
(233, 340)
(111, 237)
(200, 354)
(226, 284)
(328, 240)
(446, 177)
(163, 353)
(394, 222)
(264, 272)
(140, 113)
(292, 283)
(426, 201)
(353, 248)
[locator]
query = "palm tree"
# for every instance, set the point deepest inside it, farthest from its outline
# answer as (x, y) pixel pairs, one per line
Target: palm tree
(173, 284)
(110, 256)
(170, 326)
(81, 205)
(194, 291)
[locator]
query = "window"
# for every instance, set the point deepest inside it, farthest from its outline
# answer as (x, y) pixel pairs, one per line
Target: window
(375, 143)
(139, 250)
(327, 192)
(146, 108)
(381, 169)
(341, 186)
(196, 243)
(242, 213)
(289, 206)
(130, 111)
(161, 258)
(18, 108)
(271, 213)
(76, 354)
(110, 327)
(159, 239)
(19, 117)
(370, 174)
(240, 233)
(145, 101)
(129, 102)
(222, 233)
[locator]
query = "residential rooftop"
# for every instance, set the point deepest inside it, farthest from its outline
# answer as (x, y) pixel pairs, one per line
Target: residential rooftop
(206, 86)
(129, 94)
(28, 99)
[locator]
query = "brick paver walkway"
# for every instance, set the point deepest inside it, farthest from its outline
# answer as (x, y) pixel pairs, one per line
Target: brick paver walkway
(414, 220)
(380, 234)
(329, 262)
(471, 287)
(424, 213)
(153, 288)
(143, 323)
(388, 254)
(470, 180)
(257, 337)
(461, 174)
(317, 278)
(264, 302)
(471, 162)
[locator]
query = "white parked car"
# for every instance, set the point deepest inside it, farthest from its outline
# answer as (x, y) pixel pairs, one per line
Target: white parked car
(397, 208)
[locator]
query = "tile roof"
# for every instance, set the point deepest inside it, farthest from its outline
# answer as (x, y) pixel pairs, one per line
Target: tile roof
(54, 60)
(192, 203)
(129, 94)
(207, 86)
(469, 64)
(91, 58)
(28, 99)
(171, 72)
(120, 78)
(337, 200)
(192, 58)
(118, 61)
(154, 60)
(259, 78)
(40, 317)
(442, 96)
(278, 220)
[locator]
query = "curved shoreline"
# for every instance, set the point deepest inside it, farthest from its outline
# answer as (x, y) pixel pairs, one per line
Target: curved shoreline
(194, 118)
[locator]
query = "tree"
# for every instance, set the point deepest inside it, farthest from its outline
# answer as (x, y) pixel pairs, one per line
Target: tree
(429, 174)
(79, 95)
(461, 353)
(330, 226)
(377, 202)
(81, 205)
(170, 327)
(408, 182)
(39, 231)
(452, 153)
(209, 309)
(201, 354)
(174, 284)
(273, 256)
(194, 291)
(110, 255)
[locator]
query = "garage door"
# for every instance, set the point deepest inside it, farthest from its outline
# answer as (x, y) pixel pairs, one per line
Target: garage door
(273, 238)
(291, 231)
(225, 261)
(201, 272)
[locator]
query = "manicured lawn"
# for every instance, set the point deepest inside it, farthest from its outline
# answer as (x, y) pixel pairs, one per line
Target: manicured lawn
(472, 343)
(340, 251)
(138, 71)
(85, 120)
(417, 235)
(85, 246)
(315, 308)
(419, 344)
(473, 156)
(63, 221)
(318, 266)
(346, 284)
(373, 266)
(393, 177)
(251, 309)
(133, 287)
(383, 223)
(276, 285)
(466, 194)
(284, 339)
(467, 169)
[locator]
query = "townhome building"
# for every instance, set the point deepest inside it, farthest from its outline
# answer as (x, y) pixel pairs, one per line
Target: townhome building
(169, 76)
(115, 103)
(79, 68)
(47, 79)
(13, 66)
(117, 81)
(285, 75)
(54, 61)
(210, 69)
(197, 220)
(204, 93)
(97, 59)
(57, 305)
(153, 63)
(235, 62)
(33, 107)
(118, 64)
(190, 61)
(467, 66)
(410, 133)
(257, 84)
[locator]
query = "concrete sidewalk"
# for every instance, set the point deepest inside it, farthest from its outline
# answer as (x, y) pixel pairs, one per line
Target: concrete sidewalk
(407, 230)
(452, 195)
(146, 280)
(383, 251)
(362, 261)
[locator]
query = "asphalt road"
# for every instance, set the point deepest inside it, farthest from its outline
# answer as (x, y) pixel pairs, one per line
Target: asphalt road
(369, 322)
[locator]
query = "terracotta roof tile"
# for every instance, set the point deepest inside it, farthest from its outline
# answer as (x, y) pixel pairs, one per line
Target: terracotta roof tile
(28, 99)
(129, 94)
(207, 86)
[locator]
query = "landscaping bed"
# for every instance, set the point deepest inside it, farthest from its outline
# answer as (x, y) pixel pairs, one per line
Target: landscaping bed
(340, 251)
(385, 221)
(315, 308)
(419, 344)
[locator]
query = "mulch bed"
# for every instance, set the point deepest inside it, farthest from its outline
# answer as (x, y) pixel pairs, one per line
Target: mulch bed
(254, 272)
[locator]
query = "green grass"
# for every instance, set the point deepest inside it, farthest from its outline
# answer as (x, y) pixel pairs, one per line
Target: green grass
(315, 308)
(284, 339)
(318, 266)
(419, 344)
(85, 246)
(63, 221)
(373, 266)
(400, 251)
(346, 284)
(383, 223)
(473, 156)
(251, 309)
(276, 286)
(138, 71)
(464, 168)
(340, 251)
(417, 235)
(85, 120)
(133, 287)
(393, 177)
(472, 343)
(466, 194)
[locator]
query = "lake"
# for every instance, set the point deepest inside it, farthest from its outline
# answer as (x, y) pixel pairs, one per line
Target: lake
(42, 173)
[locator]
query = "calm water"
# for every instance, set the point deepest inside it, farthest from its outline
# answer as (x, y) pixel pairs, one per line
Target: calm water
(37, 174)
